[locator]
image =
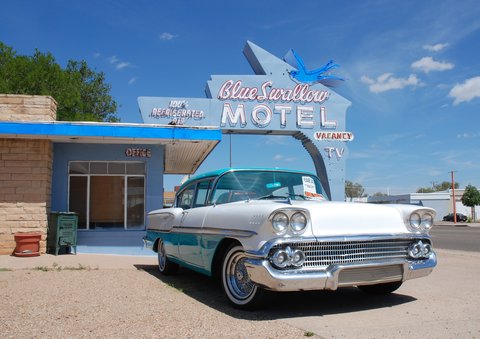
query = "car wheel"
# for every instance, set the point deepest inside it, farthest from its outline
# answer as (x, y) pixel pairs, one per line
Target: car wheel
(165, 266)
(381, 289)
(237, 286)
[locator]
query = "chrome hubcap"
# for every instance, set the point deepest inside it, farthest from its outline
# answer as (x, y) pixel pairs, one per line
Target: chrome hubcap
(238, 281)
(161, 256)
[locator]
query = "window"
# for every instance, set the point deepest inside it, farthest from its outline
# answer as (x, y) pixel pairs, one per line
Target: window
(244, 185)
(185, 198)
(203, 188)
(78, 199)
(135, 202)
(107, 195)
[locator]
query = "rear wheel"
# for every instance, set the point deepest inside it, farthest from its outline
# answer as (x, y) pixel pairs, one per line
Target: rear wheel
(165, 266)
(237, 286)
(381, 289)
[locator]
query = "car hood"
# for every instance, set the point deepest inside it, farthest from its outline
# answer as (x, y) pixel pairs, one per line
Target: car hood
(343, 218)
(327, 218)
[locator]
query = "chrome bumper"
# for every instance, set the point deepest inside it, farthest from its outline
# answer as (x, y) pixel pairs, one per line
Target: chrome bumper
(334, 276)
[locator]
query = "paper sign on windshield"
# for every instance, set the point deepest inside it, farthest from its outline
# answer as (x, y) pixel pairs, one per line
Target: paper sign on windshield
(309, 189)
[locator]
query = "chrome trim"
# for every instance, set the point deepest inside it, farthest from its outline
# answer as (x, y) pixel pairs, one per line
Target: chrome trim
(264, 275)
(147, 243)
(212, 231)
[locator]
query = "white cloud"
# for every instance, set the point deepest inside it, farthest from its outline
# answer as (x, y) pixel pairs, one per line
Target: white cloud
(427, 64)
(132, 81)
(435, 48)
(467, 91)
(165, 36)
(278, 157)
(122, 65)
(468, 135)
(387, 82)
(119, 64)
(113, 59)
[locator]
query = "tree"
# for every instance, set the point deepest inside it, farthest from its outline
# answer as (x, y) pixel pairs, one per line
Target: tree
(445, 185)
(81, 93)
(354, 190)
(379, 194)
(471, 198)
(425, 190)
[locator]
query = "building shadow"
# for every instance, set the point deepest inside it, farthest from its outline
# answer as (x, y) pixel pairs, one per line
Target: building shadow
(280, 305)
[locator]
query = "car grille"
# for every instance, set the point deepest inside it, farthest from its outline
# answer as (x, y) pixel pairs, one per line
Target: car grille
(364, 275)
(322, 254)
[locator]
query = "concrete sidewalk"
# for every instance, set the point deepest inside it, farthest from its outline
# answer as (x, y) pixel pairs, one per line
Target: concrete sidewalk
(72, 261)
(458, 224)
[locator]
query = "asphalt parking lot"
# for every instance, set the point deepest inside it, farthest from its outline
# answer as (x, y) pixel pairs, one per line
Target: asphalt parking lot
(133, 299)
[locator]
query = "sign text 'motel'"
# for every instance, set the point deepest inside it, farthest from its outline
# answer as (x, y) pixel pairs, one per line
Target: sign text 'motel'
(282, 98)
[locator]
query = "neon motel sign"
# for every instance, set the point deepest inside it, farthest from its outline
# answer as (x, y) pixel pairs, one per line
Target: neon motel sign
(279, 100)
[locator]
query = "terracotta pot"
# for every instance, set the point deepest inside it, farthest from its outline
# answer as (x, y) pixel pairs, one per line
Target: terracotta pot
(27, 244)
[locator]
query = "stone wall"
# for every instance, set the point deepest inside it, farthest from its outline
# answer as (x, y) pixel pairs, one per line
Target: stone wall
(27, 108)
(25, 171)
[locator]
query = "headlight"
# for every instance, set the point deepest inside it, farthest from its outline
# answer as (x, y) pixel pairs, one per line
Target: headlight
(427, 221)
(280, 222)
(419, 250)
(415, 220)
(426, 250)
(298, 258)
(288, 257)
(415, 250)
(298, 222)
(421, 220)
(281, 258)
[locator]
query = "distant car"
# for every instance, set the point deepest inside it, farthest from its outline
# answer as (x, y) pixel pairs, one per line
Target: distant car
(272, 229)
(460, 217)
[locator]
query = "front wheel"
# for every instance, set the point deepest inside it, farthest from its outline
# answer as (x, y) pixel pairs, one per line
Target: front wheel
(237, 286)
(165, 266)
(381, 289)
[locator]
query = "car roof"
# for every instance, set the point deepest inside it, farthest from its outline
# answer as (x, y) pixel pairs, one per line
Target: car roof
(219, 172)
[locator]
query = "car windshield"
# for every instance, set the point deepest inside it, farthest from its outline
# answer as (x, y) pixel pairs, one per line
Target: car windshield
(249, 185)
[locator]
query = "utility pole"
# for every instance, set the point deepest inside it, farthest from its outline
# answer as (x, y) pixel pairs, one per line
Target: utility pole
(230, 149)
(453, 198)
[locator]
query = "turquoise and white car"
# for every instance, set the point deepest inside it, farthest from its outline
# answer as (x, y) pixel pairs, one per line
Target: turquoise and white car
(262, 230)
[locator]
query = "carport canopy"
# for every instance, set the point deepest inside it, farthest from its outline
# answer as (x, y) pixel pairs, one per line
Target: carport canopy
(186, 147)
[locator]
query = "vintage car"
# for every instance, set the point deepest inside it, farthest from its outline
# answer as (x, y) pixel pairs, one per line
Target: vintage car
(460, 217)
(262, 230)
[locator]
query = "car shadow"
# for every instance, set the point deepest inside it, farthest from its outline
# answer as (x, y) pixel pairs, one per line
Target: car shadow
(280, 305)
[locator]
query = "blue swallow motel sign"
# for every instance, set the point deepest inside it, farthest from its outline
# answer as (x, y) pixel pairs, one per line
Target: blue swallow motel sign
(283, 97)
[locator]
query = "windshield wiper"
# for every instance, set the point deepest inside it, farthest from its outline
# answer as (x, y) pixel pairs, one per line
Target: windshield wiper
(271, 196)
(287, 196)
(297, 195)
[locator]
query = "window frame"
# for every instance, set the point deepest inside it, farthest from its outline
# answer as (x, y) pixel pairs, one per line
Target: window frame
(196, 184)
(125, 175)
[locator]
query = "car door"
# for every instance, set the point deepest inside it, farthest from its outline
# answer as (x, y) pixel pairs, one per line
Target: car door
(190, 237)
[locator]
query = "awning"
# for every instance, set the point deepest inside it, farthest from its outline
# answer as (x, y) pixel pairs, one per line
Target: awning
(186, 147)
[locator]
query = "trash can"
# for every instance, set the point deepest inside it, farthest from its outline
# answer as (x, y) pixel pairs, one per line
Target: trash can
(62, 232)
(27, 244)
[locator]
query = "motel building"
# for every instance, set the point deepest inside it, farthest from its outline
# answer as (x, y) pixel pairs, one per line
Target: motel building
(110, 175)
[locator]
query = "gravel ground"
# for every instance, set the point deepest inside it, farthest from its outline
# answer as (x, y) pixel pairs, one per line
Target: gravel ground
(96, 302)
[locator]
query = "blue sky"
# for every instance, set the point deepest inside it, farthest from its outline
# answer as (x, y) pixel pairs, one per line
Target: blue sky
(413, 71)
